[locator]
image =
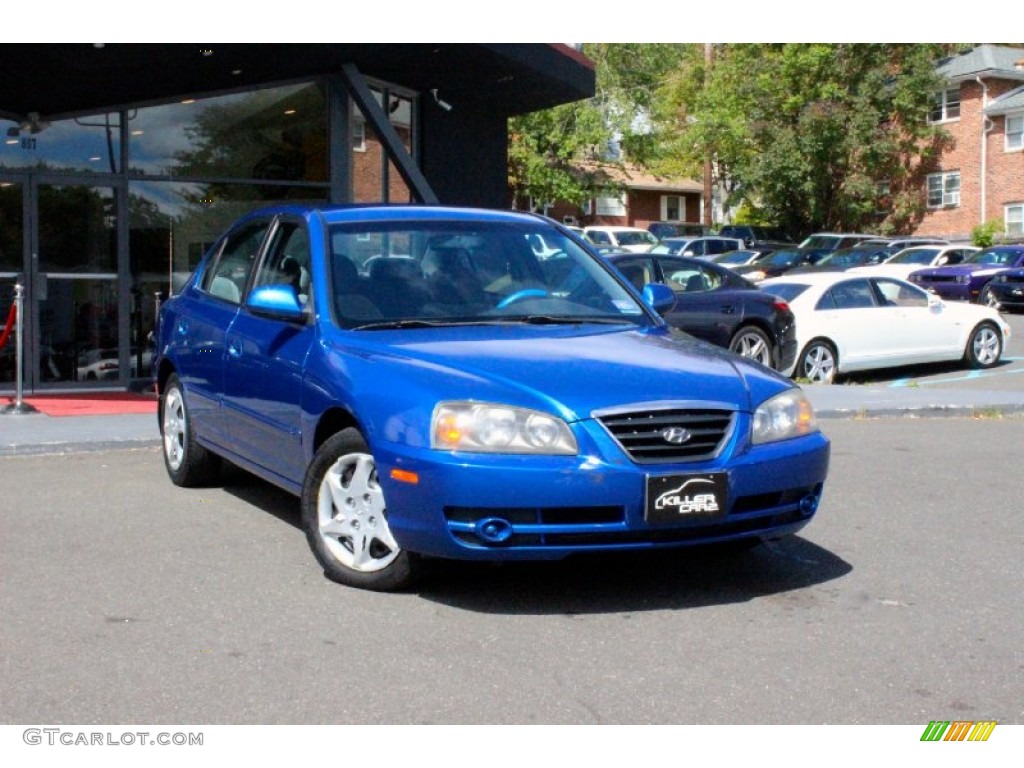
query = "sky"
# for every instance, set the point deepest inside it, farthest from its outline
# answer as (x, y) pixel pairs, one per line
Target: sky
(522, 21)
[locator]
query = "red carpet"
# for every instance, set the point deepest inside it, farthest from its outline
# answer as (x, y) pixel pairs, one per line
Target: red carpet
(92, 403)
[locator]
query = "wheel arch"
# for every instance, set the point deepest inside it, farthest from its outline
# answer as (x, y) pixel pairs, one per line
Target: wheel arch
(332, 421)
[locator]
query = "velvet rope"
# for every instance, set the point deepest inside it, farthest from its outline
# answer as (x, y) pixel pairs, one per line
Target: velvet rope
(10, 325)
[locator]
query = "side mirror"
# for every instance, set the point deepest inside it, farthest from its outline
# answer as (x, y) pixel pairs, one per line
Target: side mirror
(276, 301)
(935, 301)
(659, 297)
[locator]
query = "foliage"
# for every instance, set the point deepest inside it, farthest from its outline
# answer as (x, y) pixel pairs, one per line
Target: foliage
(803, 133)
(555, 154)
(984, 235)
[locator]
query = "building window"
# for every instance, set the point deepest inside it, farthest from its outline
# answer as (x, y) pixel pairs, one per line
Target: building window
(611, 206)
(1014, 218)
(359, 135)
(672, 208)
(943, 189)
(945, 106)
(1014, 132)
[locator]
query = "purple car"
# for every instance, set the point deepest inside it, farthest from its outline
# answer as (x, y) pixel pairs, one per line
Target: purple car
(968, 280)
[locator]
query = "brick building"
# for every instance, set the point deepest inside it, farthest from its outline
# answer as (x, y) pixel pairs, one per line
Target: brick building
(645, 198)
(980, 178)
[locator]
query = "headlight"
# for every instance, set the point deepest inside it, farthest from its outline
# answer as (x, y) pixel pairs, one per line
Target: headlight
(756, 276)
(490, 428)
(784, 416)
(963, 278)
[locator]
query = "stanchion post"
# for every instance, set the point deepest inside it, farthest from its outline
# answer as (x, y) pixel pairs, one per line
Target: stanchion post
(19, 405)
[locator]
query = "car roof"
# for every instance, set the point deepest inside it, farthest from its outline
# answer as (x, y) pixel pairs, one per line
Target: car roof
(334, 213)
(823, 279)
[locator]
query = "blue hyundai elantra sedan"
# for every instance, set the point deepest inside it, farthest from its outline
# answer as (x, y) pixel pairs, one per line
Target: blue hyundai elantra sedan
(436, 382)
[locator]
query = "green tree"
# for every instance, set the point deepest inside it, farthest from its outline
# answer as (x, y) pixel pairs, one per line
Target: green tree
(807, 136)
(555, 154)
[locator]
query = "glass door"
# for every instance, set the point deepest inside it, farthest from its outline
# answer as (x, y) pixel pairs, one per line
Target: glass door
(12, 263)
(76, 328)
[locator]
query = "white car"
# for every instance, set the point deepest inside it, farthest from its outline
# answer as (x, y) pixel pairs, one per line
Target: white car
(847, 322)
(901, 264)
(627, 238)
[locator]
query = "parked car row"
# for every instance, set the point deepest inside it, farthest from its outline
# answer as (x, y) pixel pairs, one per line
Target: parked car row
(815, 314)
(817, 325)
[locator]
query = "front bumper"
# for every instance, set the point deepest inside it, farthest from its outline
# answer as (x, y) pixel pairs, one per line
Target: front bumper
(547, 507)
(1009, 295)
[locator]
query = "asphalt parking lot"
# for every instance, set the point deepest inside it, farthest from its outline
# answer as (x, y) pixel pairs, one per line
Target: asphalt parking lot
(127, 600)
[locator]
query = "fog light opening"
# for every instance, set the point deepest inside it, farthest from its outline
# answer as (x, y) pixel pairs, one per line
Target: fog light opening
(494, 530)
(809, 504)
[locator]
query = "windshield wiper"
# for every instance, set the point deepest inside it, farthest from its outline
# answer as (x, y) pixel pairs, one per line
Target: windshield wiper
(388, 325)
(561, 320)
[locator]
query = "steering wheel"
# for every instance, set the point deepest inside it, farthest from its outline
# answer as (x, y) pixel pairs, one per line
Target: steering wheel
(526, 293)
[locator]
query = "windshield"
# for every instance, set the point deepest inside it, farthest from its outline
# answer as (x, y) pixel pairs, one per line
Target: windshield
(781, 258)
(999, 256)
(734, 257)
(407, 273)
(820, 241)
(915, 256)
(635, 238)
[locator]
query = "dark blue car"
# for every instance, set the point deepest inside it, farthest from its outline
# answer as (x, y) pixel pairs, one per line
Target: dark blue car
(431, 383)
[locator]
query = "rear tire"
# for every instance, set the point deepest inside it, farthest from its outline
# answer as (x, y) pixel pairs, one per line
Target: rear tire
(818, 363)
(753, 343)
(344, 516)
(984, 347)
(188, 463)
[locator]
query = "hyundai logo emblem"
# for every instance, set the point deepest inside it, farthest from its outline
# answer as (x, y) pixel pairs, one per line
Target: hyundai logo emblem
(675, 435)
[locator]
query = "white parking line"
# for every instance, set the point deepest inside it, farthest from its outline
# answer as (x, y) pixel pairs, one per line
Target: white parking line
(962, 377)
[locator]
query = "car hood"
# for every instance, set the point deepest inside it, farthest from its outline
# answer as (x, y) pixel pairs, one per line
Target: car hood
(569, 370)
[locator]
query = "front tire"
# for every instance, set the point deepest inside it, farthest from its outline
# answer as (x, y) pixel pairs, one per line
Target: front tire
(984, 347)
(754, 344)
(188, 463)
(988, 299)
(819, 363)
(344, 516)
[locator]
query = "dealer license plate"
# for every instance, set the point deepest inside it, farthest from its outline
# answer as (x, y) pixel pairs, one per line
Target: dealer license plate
(676, 498)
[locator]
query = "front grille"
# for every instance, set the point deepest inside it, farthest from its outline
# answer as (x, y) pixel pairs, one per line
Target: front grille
(936, 279)
(642, 434)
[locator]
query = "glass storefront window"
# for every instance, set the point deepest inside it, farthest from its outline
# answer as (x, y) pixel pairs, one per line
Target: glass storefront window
(88, 248)
(11, 228)
(172, 224)
(278, 134)
(368, 157)
(90, 144)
